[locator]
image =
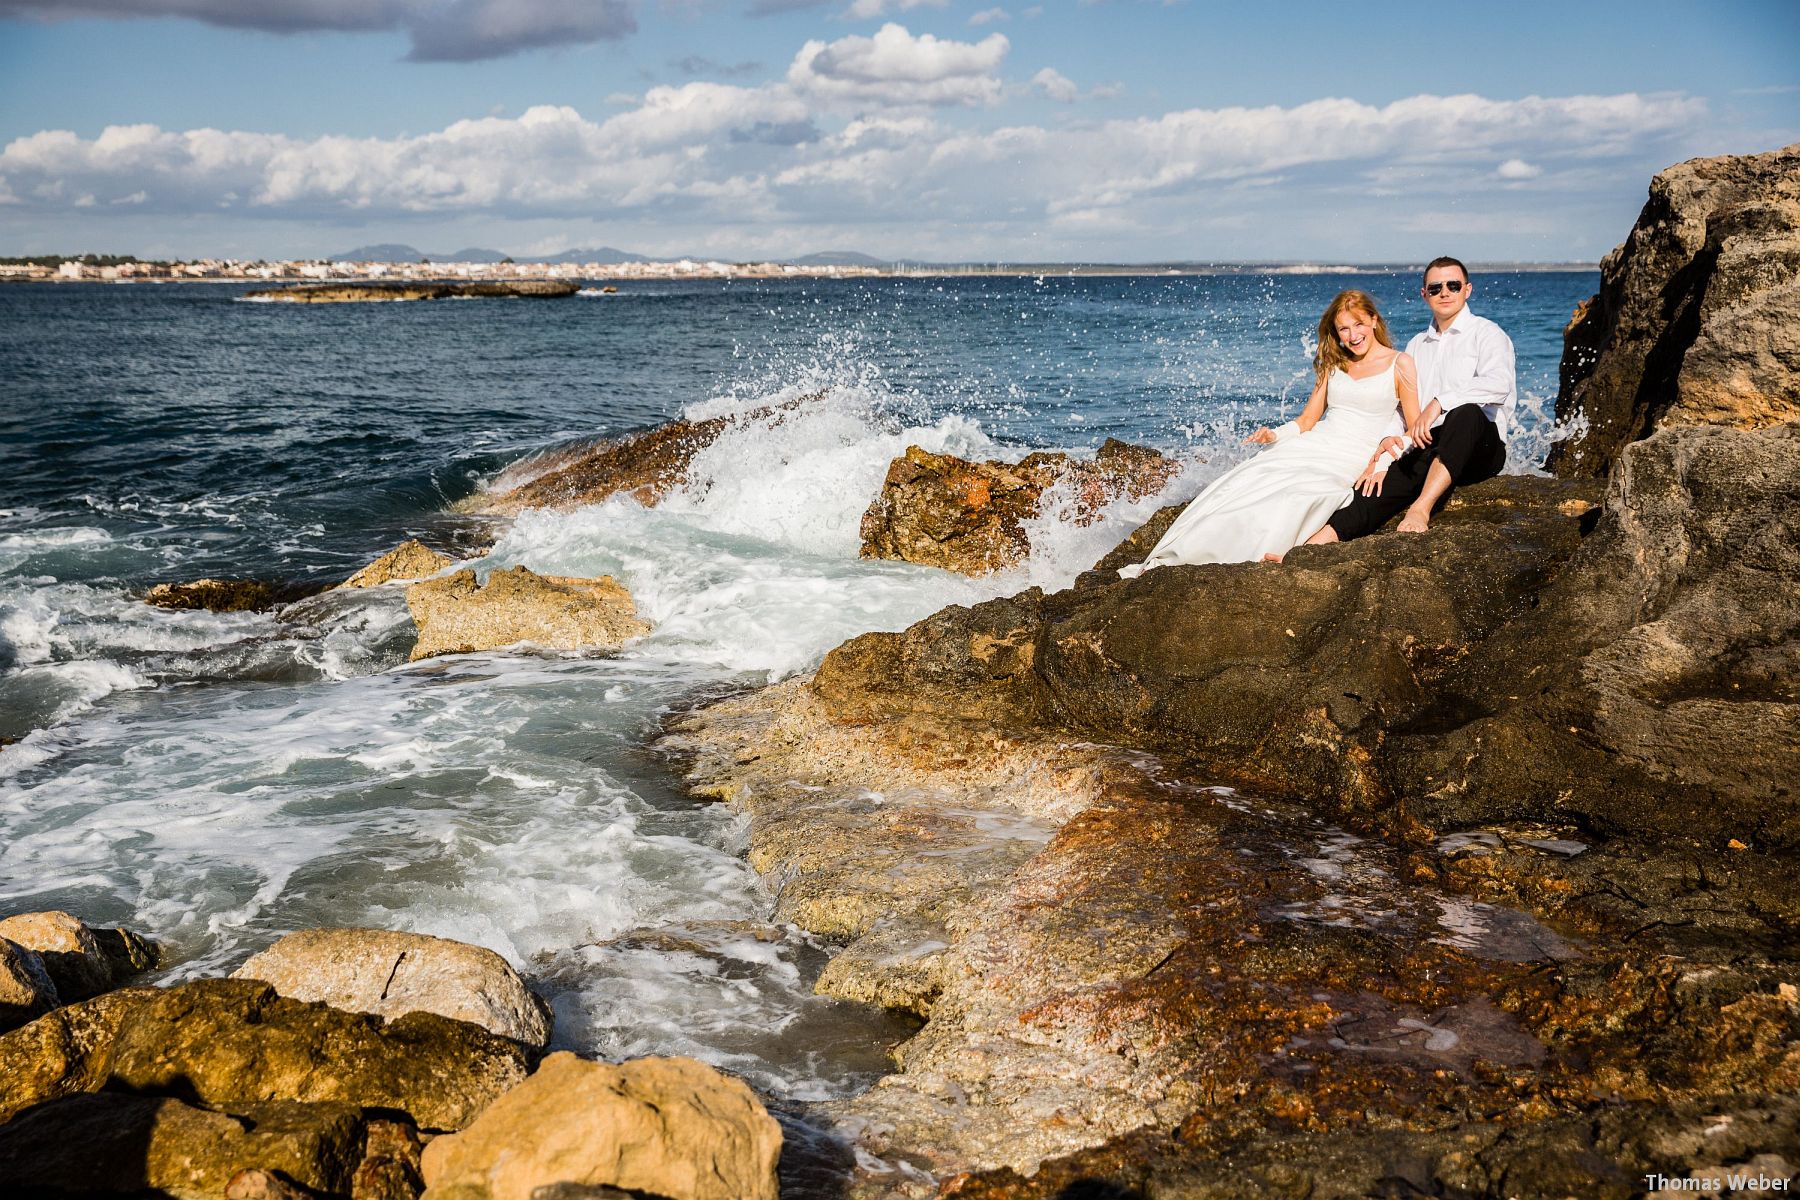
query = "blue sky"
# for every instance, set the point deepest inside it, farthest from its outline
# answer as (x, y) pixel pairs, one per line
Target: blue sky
(1123, 130)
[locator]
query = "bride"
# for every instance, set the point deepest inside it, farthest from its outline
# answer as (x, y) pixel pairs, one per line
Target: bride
(1267, 505)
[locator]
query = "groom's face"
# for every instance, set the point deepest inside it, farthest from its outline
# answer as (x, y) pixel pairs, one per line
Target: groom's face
(1445, 303)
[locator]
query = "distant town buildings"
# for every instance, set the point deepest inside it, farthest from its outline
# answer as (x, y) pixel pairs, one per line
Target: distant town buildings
(211, 268)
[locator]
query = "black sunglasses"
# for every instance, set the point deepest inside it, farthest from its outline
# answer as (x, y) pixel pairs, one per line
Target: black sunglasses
(1453, 286)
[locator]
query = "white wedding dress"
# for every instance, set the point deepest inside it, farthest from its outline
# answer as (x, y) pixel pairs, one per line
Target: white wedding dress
(1271, 503)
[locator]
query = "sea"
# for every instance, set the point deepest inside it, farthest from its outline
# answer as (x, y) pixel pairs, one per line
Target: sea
(217, 780)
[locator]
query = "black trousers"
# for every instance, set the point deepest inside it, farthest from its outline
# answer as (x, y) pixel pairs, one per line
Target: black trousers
(1468, 445)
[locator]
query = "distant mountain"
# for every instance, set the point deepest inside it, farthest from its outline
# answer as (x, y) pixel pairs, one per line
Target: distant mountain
(385, 252)
(598, 254)
(473, 254)
(839, 258)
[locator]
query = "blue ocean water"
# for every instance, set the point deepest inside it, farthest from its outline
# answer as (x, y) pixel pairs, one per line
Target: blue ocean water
(217, 780)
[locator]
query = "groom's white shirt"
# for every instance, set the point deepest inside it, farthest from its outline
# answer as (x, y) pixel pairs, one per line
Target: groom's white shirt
(1469, 363)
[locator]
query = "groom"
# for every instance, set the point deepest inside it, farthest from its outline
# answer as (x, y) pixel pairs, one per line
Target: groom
(1467, 397)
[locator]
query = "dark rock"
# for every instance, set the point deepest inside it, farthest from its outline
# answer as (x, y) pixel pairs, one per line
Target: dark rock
(113, 1144)
(1698, 316)
(348, 293)
(942, 511)
(218, 595)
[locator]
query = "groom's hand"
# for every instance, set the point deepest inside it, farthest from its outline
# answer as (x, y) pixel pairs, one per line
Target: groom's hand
(1421, 429)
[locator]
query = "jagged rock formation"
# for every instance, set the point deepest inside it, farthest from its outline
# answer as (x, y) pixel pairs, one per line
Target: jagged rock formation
(223, 595)
(643, 465)
(1698, 316)
(391, 974)
(942, 511)
(81, 960)
(456, 615)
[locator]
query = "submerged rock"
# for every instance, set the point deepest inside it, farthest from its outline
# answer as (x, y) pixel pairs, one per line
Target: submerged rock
(1697, 320)
(391, 974)
(347, 293)
(456, 615)
(669, 1127)
(411, 559)
(219, 595)
(942, 511)
(26, 989)
(81, 960)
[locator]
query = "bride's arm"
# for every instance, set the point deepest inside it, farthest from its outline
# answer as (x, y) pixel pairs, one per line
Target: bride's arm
(1309, 416)
(1406, 386)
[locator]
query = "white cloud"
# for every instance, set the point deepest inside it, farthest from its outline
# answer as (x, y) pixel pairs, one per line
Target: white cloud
(989, 16)
(866, 10)
(440, 30)
(1518, 168)
(1056, 85)
(713, 158)
(893, 67)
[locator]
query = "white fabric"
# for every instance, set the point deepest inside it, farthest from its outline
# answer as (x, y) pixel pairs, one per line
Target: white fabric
(1469, 363)
(1271, 503)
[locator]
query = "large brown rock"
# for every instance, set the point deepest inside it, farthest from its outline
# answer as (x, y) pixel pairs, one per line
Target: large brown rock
(216, 595)
(942, 511)
(643, 465)
(391, 974)
(411, 559)
(26, 989)
(1698, 316)
(666, 1126)
(113, 1144)
(81, 960)
(456, 615)
(226, 1043)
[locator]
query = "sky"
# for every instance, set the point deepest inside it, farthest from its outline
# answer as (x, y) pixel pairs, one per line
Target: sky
(937, 130)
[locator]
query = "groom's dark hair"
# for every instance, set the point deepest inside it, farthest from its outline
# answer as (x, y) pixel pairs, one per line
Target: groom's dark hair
(1446, 261)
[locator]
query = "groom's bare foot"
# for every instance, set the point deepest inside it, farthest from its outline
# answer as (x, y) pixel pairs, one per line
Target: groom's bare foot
(1415, 521)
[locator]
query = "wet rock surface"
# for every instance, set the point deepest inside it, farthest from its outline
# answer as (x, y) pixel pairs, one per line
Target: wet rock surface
(350, 293)
(226, 595)
(1698, 316)
(942, 511)
(458, 615)
(391, 974)
(80, 960)
(26, 989)
(643, 465)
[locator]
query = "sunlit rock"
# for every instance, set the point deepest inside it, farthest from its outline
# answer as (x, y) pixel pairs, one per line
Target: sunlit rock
(456, 615)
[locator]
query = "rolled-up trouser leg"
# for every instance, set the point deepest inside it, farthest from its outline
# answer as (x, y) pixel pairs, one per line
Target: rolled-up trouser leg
(1365, 514)
(1469, 445)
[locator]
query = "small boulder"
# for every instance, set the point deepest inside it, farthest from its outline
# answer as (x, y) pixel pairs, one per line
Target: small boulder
(82, 961)
(667, 1126)
(64, 1052)
(411, 559)
(457, 615)
(26, 990)
(391, 974)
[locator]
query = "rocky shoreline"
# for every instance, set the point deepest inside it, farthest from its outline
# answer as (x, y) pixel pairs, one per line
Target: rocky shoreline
(357, 293)
(1454, 865)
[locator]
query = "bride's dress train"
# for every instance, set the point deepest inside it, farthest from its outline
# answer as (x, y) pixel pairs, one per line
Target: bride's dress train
(1271, 503)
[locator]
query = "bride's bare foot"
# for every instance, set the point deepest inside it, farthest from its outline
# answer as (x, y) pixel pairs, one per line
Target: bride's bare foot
(1415, 521)
(1324, 537)
(1271, 558)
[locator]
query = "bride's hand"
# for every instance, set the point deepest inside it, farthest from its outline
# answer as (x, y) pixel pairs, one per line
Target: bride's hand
(1264, 437)
(1370, 481)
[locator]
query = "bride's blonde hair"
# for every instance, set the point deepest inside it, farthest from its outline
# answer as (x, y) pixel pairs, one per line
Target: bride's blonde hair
(1331, 353)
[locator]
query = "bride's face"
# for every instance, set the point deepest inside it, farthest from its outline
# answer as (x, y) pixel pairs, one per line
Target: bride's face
(1355, 332)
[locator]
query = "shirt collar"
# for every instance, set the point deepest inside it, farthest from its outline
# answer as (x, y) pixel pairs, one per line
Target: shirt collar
(1431, 331)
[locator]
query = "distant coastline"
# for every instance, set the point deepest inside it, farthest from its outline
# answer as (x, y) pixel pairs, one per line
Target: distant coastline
(117, 269)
